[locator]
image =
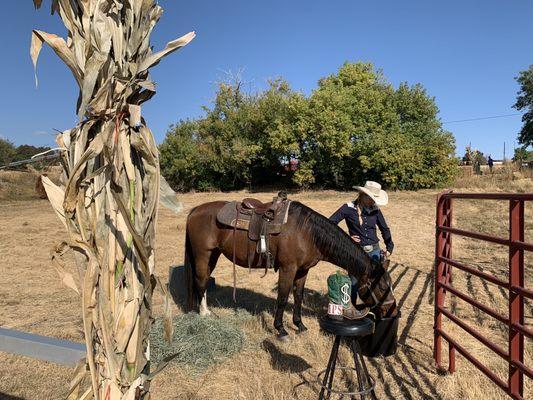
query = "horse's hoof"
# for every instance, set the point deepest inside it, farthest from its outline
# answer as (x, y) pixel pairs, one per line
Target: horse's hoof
(206, 313)
(301, 329)
(283, 336)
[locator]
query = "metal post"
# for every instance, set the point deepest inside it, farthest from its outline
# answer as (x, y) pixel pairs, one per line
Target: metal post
(516, 301)
(448, 210)
(451, 357)
(439, 293)
(447, 251)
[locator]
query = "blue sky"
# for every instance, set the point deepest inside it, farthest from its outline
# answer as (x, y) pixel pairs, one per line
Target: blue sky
(465, 53)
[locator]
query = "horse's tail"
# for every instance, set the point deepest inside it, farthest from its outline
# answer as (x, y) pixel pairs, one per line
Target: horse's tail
(190, 273)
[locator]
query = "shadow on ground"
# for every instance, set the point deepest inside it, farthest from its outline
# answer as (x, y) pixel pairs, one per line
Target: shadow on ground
(5, 396)
(284, 362)
(256, 303)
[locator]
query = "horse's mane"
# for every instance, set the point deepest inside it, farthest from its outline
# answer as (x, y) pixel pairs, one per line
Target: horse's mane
(332, 242)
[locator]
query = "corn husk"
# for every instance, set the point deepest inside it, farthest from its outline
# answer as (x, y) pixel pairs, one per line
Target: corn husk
(110, 200)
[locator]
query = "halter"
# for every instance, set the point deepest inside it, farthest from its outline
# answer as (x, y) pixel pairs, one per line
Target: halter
(378, 303)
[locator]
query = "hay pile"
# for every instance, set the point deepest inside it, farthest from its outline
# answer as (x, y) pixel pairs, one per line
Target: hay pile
(200, 341)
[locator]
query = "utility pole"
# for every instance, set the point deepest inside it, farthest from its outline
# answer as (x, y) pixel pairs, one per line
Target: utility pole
(504, 152)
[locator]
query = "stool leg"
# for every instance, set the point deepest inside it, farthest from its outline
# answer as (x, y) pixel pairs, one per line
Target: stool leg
(365, 369)
(336, 350)
(358, 369)
(332, 356)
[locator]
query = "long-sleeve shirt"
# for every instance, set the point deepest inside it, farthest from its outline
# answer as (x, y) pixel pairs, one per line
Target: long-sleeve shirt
(366, 231)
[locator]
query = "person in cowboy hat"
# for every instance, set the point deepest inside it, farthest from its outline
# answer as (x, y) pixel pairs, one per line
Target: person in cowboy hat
(362, 215)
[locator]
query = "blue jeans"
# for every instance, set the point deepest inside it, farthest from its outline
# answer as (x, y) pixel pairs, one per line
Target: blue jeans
(375, 254)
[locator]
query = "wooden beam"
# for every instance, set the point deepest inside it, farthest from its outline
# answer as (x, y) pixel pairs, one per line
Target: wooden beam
(41, 347)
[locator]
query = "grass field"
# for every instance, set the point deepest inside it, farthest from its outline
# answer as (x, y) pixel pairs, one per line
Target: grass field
(32, 299)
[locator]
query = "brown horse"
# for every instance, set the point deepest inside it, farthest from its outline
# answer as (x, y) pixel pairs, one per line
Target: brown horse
(307, 238)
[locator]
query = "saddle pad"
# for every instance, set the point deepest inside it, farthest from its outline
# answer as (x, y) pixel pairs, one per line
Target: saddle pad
(228, 216)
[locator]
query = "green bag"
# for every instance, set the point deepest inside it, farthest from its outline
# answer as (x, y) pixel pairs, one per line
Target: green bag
(340, 289)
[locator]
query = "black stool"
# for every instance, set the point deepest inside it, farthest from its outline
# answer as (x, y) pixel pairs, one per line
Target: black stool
(350, 331)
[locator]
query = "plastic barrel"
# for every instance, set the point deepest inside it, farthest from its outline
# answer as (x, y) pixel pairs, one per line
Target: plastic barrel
(384, 341)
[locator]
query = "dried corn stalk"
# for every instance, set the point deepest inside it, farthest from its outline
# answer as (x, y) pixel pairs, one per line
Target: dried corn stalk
(109, 203)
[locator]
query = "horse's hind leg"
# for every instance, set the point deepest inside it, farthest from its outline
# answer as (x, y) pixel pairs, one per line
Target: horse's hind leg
(298, 293)
(205, 265)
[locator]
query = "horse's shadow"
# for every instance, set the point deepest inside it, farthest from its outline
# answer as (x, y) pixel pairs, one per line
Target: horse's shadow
(284, 362)
(256, 303)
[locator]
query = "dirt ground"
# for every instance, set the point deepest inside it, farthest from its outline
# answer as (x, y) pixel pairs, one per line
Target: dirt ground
(32, 299)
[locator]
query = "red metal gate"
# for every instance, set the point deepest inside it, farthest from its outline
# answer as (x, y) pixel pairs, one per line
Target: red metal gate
(444, 262)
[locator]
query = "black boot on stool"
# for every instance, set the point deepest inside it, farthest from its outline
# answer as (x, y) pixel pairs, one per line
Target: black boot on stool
(351, 332)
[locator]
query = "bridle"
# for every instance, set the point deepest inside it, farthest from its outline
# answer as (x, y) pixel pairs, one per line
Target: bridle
(379, 303)
(389, 293)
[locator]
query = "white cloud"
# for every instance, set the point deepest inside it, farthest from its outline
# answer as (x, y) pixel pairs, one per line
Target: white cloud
(40, 133)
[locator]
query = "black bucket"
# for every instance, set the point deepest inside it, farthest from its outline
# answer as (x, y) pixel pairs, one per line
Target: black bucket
(384, 340)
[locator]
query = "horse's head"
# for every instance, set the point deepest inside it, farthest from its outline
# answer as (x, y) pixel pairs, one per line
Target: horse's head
(375, 289)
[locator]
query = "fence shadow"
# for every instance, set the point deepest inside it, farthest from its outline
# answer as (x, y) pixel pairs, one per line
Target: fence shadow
(409, 374)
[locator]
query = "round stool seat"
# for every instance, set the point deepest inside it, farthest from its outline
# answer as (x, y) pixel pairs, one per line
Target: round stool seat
(356, 328)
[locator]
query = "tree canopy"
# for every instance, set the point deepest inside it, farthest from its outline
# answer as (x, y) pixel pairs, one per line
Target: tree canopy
(522, 154)
(7, 151)
(524, 102)
(10, 153)
(354, 127)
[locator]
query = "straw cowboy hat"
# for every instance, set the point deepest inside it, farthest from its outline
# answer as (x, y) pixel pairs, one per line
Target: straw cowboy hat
(373, 190)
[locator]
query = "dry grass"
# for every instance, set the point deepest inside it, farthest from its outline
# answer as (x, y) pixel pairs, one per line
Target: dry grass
(32, 299)
(20, 185)
(506, 178)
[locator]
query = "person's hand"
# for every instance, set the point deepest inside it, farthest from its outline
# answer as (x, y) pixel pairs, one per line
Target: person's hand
(388, 254)
(356, 239)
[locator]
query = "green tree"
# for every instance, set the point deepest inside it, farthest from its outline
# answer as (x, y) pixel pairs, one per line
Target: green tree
(180, 159)
(279, 128)
(7, 152)
(522, 155)
(243, 140)
(364, 129)
(26, 151)
(524, 102)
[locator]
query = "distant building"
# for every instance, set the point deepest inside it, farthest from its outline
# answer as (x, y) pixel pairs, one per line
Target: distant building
(291, 166)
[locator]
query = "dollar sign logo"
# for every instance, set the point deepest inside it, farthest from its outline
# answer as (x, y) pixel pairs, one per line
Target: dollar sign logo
(345, 293)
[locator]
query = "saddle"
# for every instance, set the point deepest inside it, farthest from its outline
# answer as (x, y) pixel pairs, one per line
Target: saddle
(261, 221)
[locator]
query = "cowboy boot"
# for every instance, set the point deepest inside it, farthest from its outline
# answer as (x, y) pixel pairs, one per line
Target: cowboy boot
(339, 288)
(353, 313)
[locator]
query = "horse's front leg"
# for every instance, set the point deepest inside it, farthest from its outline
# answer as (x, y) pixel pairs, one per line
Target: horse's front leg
(285, 283)
(298, 293)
